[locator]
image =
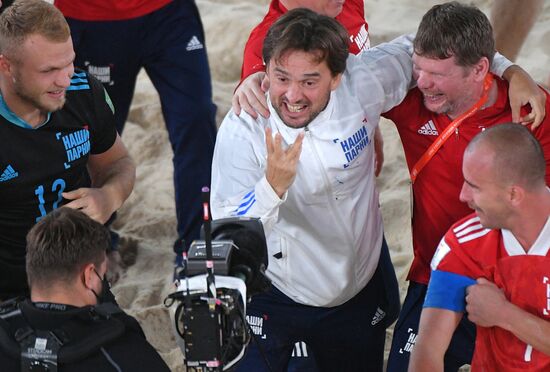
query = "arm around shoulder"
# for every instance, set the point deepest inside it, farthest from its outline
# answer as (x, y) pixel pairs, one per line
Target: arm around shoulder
(387, 69)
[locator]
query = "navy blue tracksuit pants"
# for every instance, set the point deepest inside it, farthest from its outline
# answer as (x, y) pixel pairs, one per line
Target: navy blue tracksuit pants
(349, 337)
(169, 44)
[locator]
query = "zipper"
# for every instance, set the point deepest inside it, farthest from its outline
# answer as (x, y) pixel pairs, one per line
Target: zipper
(328, 189)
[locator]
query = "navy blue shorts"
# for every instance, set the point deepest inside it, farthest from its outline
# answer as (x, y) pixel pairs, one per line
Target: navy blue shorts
(461, 348)
(349, 337)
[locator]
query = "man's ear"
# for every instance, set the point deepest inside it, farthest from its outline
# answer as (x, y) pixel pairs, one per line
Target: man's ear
(88, 275)
(516, 195)
(481, 68)
(5, 65)
(335, 82)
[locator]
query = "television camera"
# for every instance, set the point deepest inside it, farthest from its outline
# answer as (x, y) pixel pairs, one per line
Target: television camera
(209, 317)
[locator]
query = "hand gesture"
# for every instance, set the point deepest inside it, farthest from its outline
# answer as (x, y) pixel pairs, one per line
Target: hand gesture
(281, 164)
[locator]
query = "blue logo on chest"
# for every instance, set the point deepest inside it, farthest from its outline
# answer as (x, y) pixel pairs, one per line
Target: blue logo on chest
(76, 144)
(354, 145)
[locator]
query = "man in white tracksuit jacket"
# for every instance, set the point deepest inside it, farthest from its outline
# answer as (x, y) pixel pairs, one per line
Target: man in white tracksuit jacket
(313, 186)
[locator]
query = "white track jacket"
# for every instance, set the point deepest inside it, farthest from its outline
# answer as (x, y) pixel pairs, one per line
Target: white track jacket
(324, 236)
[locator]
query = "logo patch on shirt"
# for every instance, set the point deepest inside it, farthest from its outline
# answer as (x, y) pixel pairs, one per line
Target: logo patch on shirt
(361, 39)
(429, 129)
(76, 144)
(8, 174)
(410, 342)
(354, 145)
(101, 73)
(194, 44)
(256, 324)
(300, 350)
(378, 316)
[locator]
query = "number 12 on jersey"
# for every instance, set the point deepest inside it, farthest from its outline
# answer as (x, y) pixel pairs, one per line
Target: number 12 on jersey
(58, 186)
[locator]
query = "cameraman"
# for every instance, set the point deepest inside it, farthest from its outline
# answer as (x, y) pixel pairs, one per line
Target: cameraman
(308, 172)
(71, 304)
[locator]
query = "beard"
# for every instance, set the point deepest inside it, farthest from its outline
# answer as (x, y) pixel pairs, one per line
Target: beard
(314, 112)
(35, 98)
(303, 124)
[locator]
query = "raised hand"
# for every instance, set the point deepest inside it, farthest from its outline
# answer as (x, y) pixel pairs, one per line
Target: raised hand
(281, 164)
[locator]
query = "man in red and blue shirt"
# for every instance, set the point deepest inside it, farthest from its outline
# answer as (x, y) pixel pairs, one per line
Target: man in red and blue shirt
(494, 264)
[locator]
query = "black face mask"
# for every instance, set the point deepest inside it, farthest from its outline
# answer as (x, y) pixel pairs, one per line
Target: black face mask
(105, 295)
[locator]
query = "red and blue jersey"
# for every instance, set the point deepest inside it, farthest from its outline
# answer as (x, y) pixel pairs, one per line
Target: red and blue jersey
(470, 251)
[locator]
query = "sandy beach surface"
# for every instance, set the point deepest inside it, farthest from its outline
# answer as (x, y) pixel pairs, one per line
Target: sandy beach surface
(149, 215)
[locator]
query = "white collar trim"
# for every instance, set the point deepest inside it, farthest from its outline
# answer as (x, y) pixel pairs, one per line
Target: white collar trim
(539, 248)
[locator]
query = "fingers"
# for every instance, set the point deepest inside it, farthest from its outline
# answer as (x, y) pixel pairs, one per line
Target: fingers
(274, 145)
(535, 117)
(515, 106)
(269, 141)
(240, 101)
(89, 201)
(277, 147)
(235, 104)
(76, 204)
(538, 111)
(295, 149)
(258, 101)
(265, 83)
(78, 199)
(482, 281)
(250, 97)
(526, 120)
(75, 194)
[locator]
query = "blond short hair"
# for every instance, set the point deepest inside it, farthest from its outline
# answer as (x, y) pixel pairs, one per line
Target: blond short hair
(30, 17)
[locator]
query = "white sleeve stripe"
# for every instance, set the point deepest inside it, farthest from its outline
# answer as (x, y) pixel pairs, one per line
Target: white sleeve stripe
(467, 223)
(469, 230)
(442, 250)
(467, 238)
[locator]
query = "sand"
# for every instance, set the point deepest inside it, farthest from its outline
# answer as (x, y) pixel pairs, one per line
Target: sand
(149, 214)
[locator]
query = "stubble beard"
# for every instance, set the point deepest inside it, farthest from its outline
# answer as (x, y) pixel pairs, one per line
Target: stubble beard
(34, 99)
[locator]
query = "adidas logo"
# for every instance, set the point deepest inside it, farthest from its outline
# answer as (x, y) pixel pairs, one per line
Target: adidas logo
(8, 174)
(300, 350)
(429, 129)
(194, 44)
(378, 316)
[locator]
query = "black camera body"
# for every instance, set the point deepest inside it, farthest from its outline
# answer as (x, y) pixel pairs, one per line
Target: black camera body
(210, 316)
